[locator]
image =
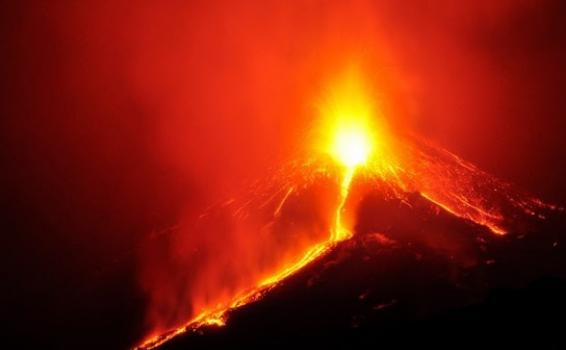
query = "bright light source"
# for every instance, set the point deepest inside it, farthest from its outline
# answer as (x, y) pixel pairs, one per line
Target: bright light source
(352, 145)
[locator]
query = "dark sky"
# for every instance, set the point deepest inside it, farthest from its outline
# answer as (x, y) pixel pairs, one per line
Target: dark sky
(118, 120)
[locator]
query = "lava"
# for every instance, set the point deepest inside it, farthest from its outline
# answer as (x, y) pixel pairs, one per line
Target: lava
(353, 139)
(340, 232)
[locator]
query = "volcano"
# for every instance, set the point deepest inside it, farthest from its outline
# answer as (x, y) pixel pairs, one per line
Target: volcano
(372, 227)
(430, 250)
(258, 174)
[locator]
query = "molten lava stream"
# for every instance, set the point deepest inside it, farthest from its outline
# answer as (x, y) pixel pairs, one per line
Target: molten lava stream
(340, 232)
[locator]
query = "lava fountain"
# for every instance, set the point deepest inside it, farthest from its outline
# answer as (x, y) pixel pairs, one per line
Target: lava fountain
(352, 139)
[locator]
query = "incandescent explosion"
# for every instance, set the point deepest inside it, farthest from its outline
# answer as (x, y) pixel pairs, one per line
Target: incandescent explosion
(353, 144)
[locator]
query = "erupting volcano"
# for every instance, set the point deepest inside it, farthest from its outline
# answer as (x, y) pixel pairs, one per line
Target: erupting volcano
(317, 202)
(325, 174)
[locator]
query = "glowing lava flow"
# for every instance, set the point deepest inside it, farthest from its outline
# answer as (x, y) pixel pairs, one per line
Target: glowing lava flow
(217, 315)
(340, 232)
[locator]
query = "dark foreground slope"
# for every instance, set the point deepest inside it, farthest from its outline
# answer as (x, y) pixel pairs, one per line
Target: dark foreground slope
(412, 275)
